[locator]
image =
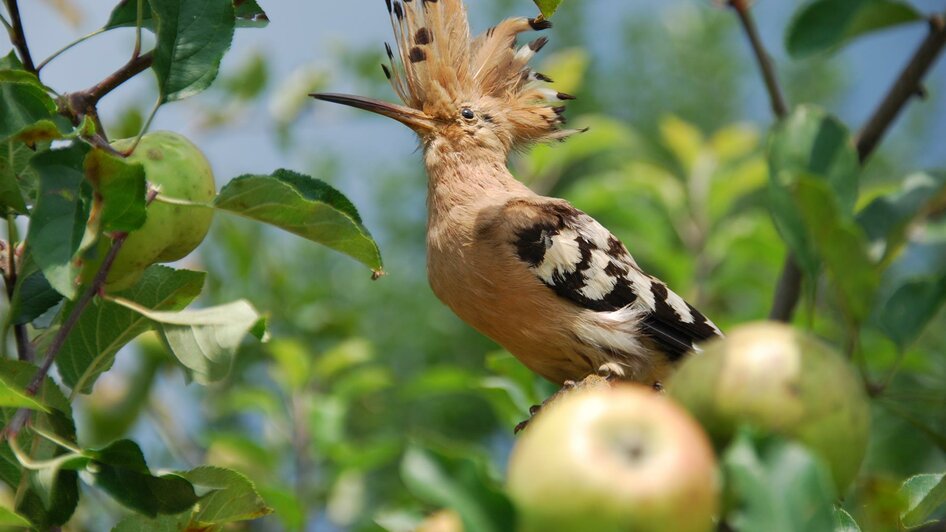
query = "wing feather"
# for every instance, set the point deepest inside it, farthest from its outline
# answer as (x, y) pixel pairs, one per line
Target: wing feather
(580, 260)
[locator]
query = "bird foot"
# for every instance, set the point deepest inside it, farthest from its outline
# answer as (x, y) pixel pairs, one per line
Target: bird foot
(591, 381)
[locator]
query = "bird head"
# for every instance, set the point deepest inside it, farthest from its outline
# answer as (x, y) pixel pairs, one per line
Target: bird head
(460, 92)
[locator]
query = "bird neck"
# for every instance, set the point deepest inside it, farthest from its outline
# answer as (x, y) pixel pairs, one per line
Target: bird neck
(459, 178)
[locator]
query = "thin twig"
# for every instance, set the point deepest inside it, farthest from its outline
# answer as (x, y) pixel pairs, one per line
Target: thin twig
(17, 37)
(788, 289)
(67, 47)
(766, 67)
(97, 286)
(24, 349)
(904, 87)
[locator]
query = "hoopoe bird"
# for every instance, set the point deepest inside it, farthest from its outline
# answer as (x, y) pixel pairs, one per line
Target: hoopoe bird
(538, 276)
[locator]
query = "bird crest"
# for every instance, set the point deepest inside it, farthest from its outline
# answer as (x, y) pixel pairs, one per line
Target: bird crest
(438, 68)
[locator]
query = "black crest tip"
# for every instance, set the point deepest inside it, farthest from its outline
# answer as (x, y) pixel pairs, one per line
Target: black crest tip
(539, 24)
(538, 44)
(564, 96)
(542, 77)
(387, 71)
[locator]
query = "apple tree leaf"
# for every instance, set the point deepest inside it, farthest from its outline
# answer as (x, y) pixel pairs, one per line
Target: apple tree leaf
(304, 206)
(548, 7)
(9, 518)
(809, 142)
(776, 484)
(887, 218)
(204, 340)
(120, 469)
(233, 497)
(925, 494)
(192, 37)
(844, 522)
(49, 495)
(826, 25)
(912, 290)
(59, 217)
(105, 327)
(119, 198)
(840, 245)
(248, 15)
(458, 482)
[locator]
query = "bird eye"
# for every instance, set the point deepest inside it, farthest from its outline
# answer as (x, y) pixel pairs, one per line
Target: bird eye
(467, 113)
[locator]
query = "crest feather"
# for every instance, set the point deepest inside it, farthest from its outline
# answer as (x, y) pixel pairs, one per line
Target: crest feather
(438, 66)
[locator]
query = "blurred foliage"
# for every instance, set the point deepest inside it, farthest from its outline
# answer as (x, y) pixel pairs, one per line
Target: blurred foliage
(373, 406)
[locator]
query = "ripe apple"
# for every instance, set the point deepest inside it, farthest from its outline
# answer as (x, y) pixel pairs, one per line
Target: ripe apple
(777, 379)
(623, 458)
(170, 232)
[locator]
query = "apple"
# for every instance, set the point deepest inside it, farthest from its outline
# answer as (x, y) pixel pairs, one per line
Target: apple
(783, 381)
(441, 521)
(621, 458)
(171, 232)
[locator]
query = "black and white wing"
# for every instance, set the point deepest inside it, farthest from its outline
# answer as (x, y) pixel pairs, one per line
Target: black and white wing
(574, 255)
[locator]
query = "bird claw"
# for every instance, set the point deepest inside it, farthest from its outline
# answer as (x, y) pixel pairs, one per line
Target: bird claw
(567, 386)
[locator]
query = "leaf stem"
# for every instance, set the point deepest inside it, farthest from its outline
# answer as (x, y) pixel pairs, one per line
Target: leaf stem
(138, 22)
(17, 37)
(144, 128)
(904, 87)
(96, 287)
(68, 47)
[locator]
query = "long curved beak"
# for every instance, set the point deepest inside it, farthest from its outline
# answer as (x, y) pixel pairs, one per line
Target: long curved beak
(412, 118)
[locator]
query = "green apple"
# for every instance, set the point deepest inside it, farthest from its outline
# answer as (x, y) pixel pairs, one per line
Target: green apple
(171, 232)
(623, 458)
(772, 377)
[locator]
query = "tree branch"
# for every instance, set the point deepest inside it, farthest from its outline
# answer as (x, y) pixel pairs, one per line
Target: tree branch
(904, 87)
(85, 103)
(776, 98)
(97, 286)
(788, 289)
(17, 37)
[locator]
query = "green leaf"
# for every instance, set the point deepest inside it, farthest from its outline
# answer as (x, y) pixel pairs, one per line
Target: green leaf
(32, 296)
(59, 218)
(119, 186)
(303, 206)
(23, 102)
(161, 523)
(49, 496)
(125, 14)
(18, 180)
(204, 340)
(120, 469)
(192, 37)
(840, 244)
(249, 14)
(843, 522)
(11, 62)
(887, 218)
(925, 494)
(13, 395)
(777, 485)
(826, 25)
(459, 482)
(911, 291)
(548, 7)
(234, 497)
(809, 142)
(105, 327)
(11, 518)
